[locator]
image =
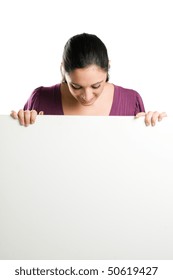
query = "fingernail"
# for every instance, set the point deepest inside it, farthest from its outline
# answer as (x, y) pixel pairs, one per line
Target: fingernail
(153, 124)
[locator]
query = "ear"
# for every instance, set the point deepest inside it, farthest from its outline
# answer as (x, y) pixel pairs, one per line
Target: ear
(62, 72)
(109, 65)
(62, 68)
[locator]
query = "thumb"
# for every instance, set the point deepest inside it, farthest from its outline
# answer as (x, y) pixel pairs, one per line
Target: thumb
(141, 114)
(14, 115)
(41, 113)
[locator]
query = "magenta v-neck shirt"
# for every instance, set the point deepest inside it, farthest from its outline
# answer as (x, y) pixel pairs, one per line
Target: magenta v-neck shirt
(126, 102)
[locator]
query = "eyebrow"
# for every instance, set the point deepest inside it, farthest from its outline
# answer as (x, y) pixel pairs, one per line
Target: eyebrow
(91, 85)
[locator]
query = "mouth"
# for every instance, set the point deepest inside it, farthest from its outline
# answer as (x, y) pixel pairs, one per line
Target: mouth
(87, 103)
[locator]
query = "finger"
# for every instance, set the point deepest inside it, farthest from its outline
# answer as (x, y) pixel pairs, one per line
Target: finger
(41, 113)
(21, 117)
(27, 117)
(154, 118)
(162, 115)
(33, 115)
(141, 114)
(14, 115)
(148, 117)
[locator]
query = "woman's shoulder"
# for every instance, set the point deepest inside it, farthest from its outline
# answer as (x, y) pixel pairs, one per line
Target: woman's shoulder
(43, 98)
(126, 101)
(127, 92)
(47, 89)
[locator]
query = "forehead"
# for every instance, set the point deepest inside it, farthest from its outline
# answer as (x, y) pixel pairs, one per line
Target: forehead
(91, 74)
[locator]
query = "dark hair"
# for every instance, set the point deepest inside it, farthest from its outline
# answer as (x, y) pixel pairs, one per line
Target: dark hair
(83, 50)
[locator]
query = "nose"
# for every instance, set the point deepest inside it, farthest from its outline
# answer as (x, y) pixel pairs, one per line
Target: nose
(87, 94)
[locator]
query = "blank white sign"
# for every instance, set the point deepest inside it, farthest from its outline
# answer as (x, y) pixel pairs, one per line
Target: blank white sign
(86, 188)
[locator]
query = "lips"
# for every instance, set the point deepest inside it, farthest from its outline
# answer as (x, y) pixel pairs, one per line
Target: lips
(88, 103)
(83, 102)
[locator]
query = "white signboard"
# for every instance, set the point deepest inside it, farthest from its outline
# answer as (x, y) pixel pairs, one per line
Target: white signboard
(86, 188)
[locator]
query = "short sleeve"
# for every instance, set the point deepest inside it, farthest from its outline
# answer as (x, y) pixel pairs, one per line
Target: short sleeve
(139, 106)
(34, 100)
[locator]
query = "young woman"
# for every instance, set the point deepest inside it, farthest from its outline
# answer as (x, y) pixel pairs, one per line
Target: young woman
(85, 89)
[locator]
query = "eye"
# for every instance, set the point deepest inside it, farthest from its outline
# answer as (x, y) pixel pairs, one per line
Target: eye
(75, 87)
(95, 87)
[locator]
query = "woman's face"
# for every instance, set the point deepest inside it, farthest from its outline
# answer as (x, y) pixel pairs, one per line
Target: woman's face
(86, 84)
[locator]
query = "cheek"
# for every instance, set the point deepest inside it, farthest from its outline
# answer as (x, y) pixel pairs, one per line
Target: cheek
(99, 91)
(75, 93)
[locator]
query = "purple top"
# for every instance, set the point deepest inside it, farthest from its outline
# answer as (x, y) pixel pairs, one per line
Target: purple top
(126, 102)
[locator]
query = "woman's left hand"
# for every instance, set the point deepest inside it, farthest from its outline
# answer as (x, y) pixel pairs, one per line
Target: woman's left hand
(151, 117)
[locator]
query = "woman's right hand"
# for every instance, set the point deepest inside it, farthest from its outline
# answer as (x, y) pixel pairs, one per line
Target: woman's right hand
(26, 117)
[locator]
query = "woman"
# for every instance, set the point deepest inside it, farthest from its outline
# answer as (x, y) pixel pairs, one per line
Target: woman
(85, 89)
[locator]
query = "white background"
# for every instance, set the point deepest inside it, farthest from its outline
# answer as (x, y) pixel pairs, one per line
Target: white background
(138, 35)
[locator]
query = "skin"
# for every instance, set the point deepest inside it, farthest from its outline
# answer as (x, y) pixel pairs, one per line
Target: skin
(86, 85)
(151, 117)
(86, 93)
